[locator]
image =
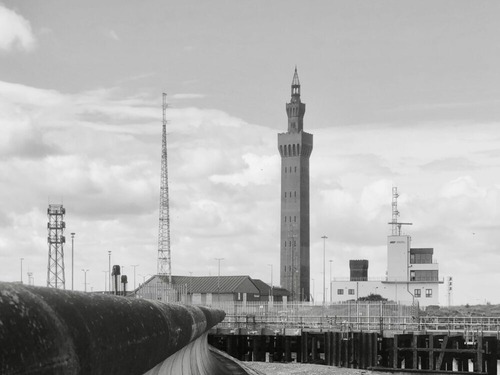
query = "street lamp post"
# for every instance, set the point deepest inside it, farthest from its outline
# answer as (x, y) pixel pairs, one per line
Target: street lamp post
(314, 294)
(109, 269)
(72, 259)
(330, 280)
(324, 273)
(22, 270)
(218, 279)
(134, 265)
(271, 293)
(85, 278)
(105, 279)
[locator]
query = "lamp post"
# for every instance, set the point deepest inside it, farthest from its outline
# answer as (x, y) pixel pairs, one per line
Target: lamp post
(109, 269)
(218, 279)
(271, 293)
(22, 270)
(324, 286)
(330, 280)
(105, 279)
(85, 278)
(314, 294)
(72, 258)
(134, 265)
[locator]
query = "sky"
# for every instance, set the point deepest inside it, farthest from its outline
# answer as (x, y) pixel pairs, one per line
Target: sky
(398, 93)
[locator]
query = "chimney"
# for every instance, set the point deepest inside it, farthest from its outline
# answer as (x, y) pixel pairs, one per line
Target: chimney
(359, 269)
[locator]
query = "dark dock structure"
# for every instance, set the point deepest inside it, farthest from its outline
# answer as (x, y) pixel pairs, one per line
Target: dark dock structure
(415, 352)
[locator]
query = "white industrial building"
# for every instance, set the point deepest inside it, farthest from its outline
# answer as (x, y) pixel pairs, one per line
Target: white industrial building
(412, 274)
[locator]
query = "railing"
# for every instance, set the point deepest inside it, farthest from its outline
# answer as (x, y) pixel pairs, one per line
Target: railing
(468, 326)
(284, 324)
(461, 324)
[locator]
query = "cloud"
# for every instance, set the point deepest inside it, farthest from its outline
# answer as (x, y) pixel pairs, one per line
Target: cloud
(15, 31)
(113, 35)
(450, 164)
(187, 96)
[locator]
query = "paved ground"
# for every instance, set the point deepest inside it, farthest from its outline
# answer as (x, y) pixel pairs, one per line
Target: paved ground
(305, 369)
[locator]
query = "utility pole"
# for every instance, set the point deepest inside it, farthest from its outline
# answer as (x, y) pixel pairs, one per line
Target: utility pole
(72, 259)
(324, 272)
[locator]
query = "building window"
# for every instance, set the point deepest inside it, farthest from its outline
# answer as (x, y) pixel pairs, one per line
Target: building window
(295, 219)
(428, 293)
(424, 275)
(285, 219)
(295, 169)
(417, 293)
(351, 291)
(340, 291)
(295, 194)
(285, 194)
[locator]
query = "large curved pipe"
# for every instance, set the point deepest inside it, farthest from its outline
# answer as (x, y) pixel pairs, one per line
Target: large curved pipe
(52, 331)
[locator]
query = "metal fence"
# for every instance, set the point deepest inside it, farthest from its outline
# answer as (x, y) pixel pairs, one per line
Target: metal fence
(361, 316)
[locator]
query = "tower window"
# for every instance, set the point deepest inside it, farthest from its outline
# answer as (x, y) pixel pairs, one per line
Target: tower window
(295, 169)
(295, 218)
(285, 194)
(285, 219)
(295, 194)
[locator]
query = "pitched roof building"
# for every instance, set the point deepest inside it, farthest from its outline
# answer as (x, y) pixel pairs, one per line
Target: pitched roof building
(207, 290)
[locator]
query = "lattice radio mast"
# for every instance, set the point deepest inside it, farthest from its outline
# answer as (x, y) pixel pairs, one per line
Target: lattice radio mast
(164, 261)
(56, 240)
(396, 226)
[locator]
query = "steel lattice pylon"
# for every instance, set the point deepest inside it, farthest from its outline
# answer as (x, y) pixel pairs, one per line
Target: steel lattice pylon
(56, 240)
(164, 261)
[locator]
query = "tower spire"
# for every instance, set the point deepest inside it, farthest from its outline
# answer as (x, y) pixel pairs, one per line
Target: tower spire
(295, 84)
(295, 109)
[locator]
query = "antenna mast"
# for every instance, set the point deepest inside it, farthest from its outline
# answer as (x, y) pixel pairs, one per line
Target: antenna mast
(164, 261)
(396, 227)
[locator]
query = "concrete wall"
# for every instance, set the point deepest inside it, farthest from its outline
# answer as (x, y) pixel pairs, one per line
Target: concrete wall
(398, 257)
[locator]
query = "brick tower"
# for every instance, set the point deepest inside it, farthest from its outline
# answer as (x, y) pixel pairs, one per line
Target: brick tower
(295, 147)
